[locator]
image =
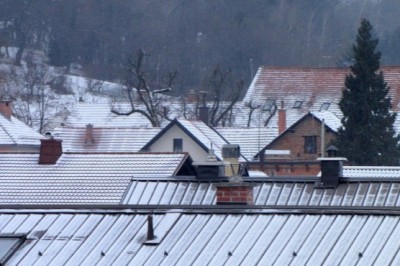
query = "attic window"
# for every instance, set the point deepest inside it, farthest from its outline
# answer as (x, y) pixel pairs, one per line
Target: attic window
(178, 145)
(297, 104)
(9, 244)
(269, 104)
(325, 106)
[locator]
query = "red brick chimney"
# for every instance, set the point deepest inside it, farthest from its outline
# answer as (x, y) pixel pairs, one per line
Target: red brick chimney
(6, 108)
(50, 150)
(281, 119)
(239, 193)
(89, 140)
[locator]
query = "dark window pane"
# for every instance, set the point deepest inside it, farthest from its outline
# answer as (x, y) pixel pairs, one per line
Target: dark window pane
(310, 144)
(178, 145)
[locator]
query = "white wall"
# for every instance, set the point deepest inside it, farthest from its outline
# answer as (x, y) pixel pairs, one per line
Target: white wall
(165, 144)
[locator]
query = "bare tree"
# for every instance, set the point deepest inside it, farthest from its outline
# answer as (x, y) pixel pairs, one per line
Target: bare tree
(221, 87)
(149, 101)
(35, 102)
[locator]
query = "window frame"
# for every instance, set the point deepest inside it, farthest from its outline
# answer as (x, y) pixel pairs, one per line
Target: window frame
(310, 141)
(177, 145)
(13, 248)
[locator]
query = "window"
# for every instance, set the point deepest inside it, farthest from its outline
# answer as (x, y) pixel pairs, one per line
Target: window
(310, 144)
(269, 104)
(178, 146)
(297, 104)
(324, 106)
(9, 244)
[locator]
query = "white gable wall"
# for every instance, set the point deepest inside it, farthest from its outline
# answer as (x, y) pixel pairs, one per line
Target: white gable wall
(165, 144)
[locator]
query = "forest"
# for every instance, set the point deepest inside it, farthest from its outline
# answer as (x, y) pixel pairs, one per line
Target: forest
(193, 38)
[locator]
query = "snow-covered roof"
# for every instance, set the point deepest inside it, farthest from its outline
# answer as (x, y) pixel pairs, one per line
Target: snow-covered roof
(283, 193)
(200, 132)
(101, 238)
(304, 90)
(330, 120)
(250, 140)
(124, 139)
(205, 134)
(14, 131)
(79, 178)
(100, 115)
(382, 172)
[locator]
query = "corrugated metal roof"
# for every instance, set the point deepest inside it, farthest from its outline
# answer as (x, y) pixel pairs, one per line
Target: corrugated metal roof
(205, 239)
(126, 139)
(79, 178)
(349, 194)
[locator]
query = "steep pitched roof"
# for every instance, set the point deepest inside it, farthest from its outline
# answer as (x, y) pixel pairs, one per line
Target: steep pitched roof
(250, 140)
(124, 139)
(202, 134)
(79, 178)
(14, 131)
(313, 86)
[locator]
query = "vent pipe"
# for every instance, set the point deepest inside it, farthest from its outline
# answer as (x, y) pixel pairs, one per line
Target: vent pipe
(150, 228)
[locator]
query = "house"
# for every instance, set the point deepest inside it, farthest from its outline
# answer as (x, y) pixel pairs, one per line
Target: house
(304, 90)
(16, 136)
(296, 149)
(194, 137)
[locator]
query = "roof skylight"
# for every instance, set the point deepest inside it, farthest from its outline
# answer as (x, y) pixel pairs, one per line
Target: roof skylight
(297, 104)
(325, 106)
(9, 244)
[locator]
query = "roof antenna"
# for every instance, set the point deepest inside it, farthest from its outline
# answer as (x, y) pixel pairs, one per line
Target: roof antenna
(150, 229)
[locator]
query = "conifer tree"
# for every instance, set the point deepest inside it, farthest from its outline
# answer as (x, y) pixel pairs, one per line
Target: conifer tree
(367, 136)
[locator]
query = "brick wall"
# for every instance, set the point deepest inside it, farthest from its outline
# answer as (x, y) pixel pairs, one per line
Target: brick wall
(294, 141)
(233, 193)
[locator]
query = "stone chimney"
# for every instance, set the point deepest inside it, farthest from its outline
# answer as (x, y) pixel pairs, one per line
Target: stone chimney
(6, 107)
(50, 150)
(281, 118)
(89, 140)
(235, 193)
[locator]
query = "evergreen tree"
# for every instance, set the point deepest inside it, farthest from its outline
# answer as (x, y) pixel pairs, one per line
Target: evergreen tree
(367, 136)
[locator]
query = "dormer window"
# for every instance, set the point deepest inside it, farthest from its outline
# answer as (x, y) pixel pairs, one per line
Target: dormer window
(325, 106)
(297, 104)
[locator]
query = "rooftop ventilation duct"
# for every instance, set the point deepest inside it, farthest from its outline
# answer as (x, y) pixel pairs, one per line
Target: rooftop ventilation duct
(331, 171)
